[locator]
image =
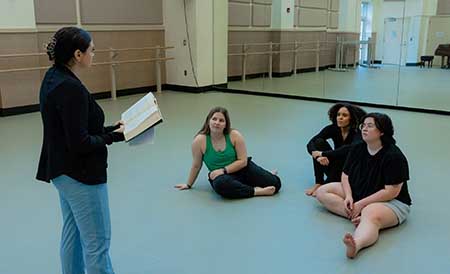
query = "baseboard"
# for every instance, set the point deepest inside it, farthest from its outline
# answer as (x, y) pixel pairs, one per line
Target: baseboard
(282, 74)
(18, 110)
(412, 64)
(189, 88)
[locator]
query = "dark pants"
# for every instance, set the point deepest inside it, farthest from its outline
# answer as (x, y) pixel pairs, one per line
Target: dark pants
(334, 169)
(241, 184)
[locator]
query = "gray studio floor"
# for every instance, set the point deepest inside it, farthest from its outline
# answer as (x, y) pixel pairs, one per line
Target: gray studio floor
(408, 86)
(157, 229)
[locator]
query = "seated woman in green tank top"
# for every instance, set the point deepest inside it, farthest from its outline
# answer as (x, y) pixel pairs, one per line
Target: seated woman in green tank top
(232, 175)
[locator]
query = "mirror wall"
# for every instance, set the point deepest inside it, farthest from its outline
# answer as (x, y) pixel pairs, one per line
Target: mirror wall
(373, 51)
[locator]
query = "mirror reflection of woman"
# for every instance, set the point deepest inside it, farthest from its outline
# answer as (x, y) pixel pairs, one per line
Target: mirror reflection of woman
(232, 174)
(373, 192)
(344, 132)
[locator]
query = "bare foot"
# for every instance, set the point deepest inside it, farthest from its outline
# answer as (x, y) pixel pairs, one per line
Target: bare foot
(312, 191)
(349, 241)
(264, 191)
(274, 172)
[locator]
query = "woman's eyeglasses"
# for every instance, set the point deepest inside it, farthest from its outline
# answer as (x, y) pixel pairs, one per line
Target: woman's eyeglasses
(368, 125)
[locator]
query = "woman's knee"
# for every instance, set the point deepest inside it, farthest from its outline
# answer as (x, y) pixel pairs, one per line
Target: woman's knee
(221, 186)
(321, 192)
(372, 213)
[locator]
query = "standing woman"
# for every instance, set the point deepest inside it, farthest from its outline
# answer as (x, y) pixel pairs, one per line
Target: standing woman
(344, 132)
(74, 154)
(373, 193)
(232, 175)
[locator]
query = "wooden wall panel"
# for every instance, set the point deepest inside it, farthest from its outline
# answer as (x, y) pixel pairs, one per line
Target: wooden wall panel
(312, 18)
(55, 11)
(239, 14)
(261, 16)
(22, 88)
(114, 12)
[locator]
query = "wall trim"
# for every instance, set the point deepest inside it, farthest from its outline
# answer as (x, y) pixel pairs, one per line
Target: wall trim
(53, 28)
(284, 74)
(24, 30)
(191, 89)
(295, 29)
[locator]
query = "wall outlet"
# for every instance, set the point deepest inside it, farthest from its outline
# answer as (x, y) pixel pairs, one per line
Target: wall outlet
(185, 72)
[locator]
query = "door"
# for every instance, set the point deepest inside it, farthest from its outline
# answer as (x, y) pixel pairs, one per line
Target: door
(394, 43)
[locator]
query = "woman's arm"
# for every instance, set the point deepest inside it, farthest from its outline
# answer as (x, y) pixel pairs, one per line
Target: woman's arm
(348, 201)
(342, 151)
(241, 152)
(241, 155)
(74, 112)
(114, 127)
(324, 134)
(197, 156)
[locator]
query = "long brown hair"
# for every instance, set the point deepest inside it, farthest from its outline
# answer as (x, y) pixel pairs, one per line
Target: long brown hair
(205, 128)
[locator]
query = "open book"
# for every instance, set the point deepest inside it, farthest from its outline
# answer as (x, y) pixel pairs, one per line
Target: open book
(141, 116)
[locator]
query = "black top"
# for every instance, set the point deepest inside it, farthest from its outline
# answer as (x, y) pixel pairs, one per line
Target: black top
(74, 136)
(369, 174)
(341, 146)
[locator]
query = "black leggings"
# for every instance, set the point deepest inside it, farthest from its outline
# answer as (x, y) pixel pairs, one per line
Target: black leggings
(241, 184)
(334, 169)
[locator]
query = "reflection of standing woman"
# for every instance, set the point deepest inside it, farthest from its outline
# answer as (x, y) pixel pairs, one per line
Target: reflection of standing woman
(373, 192)
(74, 154)
(232, 174)
(344, 132)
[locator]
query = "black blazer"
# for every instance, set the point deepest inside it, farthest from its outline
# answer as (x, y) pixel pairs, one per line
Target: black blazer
(74, 136)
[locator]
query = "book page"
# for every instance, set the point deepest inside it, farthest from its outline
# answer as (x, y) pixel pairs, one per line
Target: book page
(136, 117)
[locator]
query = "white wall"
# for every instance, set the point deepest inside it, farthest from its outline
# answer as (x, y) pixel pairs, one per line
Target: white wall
(208, 27)
(17, 14)
(220, 42)
(419, 12)
(204, 47)
(280, 18)
(175, 33)
(349, 15)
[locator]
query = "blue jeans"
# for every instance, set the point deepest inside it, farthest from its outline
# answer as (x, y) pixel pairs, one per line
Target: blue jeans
(86, 232)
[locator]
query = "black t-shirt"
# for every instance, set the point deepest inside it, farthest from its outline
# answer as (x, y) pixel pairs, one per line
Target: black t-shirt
(369, 174)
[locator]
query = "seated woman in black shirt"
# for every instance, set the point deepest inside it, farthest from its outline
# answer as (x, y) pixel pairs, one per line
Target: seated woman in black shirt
(373, 192)
(343, 130)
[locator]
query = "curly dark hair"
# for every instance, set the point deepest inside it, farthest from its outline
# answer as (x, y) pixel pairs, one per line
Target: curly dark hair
(356, 113)
(384, 125)
(205, 128)
(65, 42)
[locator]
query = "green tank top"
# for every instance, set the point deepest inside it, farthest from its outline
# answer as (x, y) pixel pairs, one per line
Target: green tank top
(216, 160)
